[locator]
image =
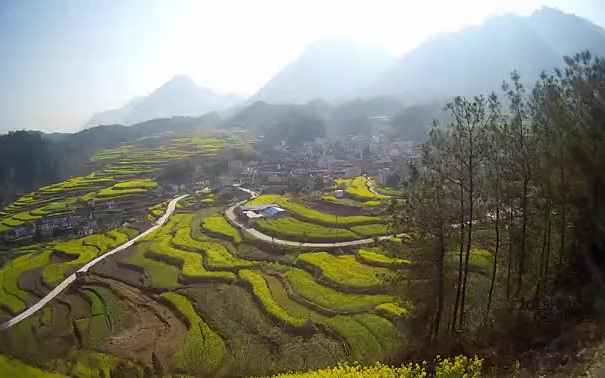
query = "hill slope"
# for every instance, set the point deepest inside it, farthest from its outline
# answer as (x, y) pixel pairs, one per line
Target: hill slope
(178, 97)
(477, 59)
(327, 70)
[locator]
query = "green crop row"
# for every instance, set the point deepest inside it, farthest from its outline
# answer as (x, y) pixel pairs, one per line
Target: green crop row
(358, 188)
(303, 284)
(219, 225)
(369, 337)
(345, 270)
(11, 295)
(192, 263)
(280, 295)
(261, 291)
(84, 249)
(306, 213)
(217, 255)
(292, 228)
(203, 350)
(160, 274)
(374, 257)
(392, 310)
(370, 230)
(96, 326)
(144, 183)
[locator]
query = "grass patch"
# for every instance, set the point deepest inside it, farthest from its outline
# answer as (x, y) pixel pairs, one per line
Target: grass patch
(345, 270)
(10, 367)
(370, 230)
(262, 292)
(160, 274)
(480, 260)
(293, 229)
(96, 326)
(303, 284)
(219, 225)
(203, 350)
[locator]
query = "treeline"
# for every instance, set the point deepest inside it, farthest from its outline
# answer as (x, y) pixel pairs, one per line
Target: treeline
(522, 175)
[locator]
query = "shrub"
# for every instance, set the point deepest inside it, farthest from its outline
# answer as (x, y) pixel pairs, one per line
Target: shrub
(303, 284)
(203, 350)
(261, 291)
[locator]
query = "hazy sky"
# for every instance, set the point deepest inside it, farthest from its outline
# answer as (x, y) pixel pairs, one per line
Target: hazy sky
(62, 60)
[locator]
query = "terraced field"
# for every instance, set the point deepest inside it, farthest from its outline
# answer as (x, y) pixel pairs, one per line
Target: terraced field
(195, 297)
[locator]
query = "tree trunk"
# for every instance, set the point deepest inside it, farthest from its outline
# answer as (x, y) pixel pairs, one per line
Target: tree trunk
(497, 249)
(523, 251)
(510, 251)
(460, 254)
(440, 285)
(470, 232)
(543, 250)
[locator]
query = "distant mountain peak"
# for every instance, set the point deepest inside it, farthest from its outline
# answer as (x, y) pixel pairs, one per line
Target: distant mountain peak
(332, 70)
(179, 96)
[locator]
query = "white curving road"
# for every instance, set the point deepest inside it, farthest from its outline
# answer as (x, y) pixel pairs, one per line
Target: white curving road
(233, 219)
(65, 283)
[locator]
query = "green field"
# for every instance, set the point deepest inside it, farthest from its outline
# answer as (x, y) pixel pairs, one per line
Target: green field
(292, 229)
(304, 285)
(219, 225)
(262, 292)
(308, 214)
(344, 271)
(203, 350)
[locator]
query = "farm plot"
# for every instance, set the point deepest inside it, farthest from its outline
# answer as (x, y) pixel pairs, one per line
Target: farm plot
(306, 213)
(357, 188)
(262, 292)
(219, 225)
(217, 255)
(191, 263)
(292, 229)
(96, 326)
(12, 297)
(371, 230)
(303, 284)
(159, 274)
(370, 337)
(203, 350)
(345, 271)
(376, 257)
